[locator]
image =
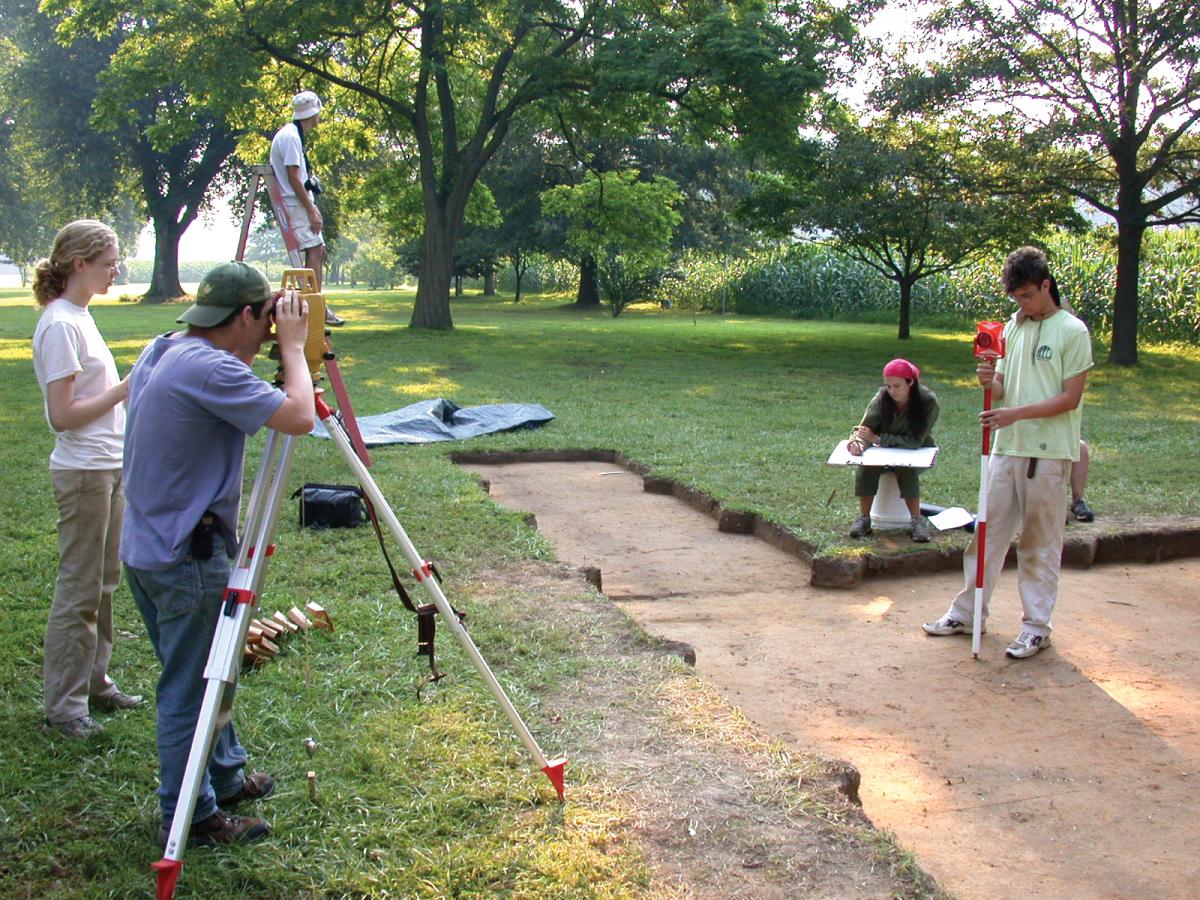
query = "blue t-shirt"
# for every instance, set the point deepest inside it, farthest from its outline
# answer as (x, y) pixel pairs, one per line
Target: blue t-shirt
(191, 406)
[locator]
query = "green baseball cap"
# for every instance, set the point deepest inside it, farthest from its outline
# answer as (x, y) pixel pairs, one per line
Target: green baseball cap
(225, 288)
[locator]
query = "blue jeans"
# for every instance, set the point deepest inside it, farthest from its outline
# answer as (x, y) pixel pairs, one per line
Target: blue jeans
(180, 607)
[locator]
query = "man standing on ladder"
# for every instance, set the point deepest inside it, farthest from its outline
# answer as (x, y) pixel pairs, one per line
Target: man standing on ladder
(300, 187)
(193, 400)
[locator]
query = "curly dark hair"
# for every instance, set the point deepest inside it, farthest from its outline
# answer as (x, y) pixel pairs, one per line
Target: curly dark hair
(1027, 265)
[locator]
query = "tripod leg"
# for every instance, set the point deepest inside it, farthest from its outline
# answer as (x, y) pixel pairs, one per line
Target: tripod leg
(421, 569)
(241, 593)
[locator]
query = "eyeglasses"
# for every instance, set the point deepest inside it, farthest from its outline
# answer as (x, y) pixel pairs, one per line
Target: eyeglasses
(114, 266)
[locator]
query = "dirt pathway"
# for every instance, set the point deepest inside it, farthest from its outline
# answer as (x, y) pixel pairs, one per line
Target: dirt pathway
(1075, 774)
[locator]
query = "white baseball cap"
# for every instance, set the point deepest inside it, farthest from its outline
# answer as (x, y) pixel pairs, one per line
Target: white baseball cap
(305, 104)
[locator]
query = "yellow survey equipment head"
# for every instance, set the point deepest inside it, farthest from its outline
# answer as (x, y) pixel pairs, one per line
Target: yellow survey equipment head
(304, 282)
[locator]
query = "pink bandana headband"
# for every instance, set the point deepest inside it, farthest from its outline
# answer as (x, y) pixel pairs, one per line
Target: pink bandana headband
(901, 368)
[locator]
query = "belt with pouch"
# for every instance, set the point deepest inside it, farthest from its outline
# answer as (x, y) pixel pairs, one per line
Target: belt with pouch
(202, 536)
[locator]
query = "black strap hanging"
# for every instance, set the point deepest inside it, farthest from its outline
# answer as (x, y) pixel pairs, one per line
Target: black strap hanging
(426, 614)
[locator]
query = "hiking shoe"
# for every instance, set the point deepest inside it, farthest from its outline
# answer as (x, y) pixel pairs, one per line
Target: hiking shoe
(1082, 512)
(1025, 645)
(254, 787)
(947, 624)
(333, 319)
(115, 701)
(861, 527)
(76, 729)
(920, 530)
(221, 828)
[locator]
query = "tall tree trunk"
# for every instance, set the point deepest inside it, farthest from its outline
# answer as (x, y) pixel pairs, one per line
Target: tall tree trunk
(519, 267)
(589, 288)
(432, 306)
(905, 308)
(489, 282)
(1124, 348)
(164, 282)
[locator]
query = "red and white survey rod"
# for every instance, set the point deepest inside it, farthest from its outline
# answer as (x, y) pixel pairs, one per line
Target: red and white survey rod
(989, 345)
(981, 529)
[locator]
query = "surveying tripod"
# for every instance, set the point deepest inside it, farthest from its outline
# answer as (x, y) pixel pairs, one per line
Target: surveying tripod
(249, 573)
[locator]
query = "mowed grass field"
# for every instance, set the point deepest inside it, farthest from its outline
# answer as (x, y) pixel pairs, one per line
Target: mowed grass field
(434, 796)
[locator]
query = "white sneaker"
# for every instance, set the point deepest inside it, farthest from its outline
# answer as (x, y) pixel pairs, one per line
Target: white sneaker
(1025, 645)
(947, 624)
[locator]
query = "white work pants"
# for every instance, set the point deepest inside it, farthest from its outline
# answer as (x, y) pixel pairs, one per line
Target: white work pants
(1034, 508)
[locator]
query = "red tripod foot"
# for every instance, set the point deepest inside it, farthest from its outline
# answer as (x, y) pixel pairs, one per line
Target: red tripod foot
(554, 771)
(168, 874)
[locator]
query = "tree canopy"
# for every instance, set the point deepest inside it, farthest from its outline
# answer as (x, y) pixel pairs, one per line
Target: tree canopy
(443, 83)
(910, 199)
(1104, 93)
(624, 223)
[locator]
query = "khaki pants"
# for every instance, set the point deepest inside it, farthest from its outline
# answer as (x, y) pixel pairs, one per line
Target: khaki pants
(1033, 507)
(79, 632)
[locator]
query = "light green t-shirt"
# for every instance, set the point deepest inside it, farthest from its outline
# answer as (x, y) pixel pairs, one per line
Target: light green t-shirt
(1039, 357)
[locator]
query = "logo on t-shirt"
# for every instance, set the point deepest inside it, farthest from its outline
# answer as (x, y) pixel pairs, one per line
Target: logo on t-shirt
(1044, 352)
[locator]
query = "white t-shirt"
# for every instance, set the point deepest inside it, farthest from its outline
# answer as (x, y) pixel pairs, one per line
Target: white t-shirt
(67, 342)
(286, 150)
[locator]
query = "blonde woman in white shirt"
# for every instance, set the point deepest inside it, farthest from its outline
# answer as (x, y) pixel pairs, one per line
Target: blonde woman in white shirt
(84, 404)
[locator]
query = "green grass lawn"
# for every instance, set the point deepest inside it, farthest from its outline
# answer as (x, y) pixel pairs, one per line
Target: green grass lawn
(435, 797)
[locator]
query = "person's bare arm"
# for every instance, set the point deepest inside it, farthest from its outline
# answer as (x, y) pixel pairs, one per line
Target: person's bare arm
(297, 413)
(68, 412)
(1065, 401)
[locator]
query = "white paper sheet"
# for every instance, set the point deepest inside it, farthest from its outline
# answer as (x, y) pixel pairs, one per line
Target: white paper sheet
(883, 456)
(954, 517)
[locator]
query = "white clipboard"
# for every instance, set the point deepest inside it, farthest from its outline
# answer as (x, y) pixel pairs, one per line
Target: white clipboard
(921, 458)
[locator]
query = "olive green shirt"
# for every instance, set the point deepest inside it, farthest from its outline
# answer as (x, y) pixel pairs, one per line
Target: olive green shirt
(895, 430)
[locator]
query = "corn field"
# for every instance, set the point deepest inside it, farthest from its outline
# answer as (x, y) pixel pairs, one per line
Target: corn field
(813, 281)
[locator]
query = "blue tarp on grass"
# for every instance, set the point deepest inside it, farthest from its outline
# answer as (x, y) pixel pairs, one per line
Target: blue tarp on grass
(441, 420)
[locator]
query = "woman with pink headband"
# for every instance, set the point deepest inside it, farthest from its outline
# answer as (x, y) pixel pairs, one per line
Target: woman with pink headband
(901, 415)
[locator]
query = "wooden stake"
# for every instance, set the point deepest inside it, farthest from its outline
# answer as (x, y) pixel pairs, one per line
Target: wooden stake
(268, 628)
(320, 618)
(312, 787)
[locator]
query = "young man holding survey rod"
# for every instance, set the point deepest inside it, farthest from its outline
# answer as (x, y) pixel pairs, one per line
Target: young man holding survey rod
(1040, 384)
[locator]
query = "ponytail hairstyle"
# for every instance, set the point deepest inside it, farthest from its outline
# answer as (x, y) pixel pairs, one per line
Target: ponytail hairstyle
(82, 239)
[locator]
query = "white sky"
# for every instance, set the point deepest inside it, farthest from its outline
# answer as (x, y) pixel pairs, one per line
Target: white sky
(213, 240)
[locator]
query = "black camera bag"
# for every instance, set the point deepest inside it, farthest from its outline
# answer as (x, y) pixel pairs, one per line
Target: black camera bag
(330, 505)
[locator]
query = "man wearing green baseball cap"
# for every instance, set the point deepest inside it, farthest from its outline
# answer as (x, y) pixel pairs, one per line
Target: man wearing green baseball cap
(193, 400)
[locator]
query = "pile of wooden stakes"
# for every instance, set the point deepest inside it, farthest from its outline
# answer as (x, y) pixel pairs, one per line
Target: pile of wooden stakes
(264, 634)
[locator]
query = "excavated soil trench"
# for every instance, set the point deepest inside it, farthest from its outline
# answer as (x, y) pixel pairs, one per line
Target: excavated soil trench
(1073, 774)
